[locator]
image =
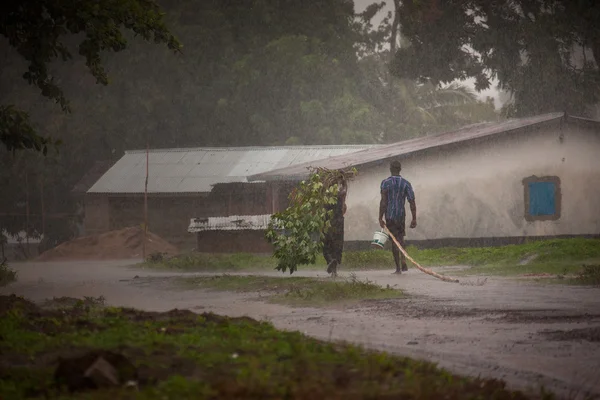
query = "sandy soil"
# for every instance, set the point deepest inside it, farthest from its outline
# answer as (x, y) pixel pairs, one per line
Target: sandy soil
(123, 243)
(525, 333)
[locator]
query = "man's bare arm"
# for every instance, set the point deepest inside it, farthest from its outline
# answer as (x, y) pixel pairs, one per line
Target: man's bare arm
(382, 206)
(413, 211)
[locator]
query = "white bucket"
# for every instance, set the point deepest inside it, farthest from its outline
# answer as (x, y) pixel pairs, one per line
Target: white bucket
(379, 239)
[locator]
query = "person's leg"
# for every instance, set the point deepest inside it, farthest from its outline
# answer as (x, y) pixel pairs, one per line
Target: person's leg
(338, 245)
(327, 254)
(402, 256)
(332, 267)
(396, 253)
(336, 258)
(393, 228)
(401, 235)
(329, 251)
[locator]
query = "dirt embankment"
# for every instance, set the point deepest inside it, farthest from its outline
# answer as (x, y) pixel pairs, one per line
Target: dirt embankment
(120, 244)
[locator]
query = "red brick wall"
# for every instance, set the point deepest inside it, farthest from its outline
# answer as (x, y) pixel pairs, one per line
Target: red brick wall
(97, 212)
(241, 241)
(169, 216)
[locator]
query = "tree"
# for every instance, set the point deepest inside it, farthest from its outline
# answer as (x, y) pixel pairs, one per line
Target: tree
(41, 31)
(410, 108)
(196, 99)
(292, 89)
(46, 34)
(537, 49)
(255, 72)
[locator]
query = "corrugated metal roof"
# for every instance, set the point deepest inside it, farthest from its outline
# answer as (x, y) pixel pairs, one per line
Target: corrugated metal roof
(197, 169)
(231, 223)
(367, 156)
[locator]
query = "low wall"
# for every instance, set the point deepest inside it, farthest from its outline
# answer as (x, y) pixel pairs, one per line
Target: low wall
(253, 241)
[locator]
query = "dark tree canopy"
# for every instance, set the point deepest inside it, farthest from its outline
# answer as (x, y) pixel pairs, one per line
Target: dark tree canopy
(41, 31)
(545, 52)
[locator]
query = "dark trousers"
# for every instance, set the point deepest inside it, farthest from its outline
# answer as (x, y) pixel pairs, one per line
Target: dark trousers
(333, 245)
(398, 229)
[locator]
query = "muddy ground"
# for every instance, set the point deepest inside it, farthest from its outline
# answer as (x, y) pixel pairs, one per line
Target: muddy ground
(523, 332)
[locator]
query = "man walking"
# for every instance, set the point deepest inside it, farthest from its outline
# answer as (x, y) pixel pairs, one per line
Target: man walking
(394, 191)
(333, 244)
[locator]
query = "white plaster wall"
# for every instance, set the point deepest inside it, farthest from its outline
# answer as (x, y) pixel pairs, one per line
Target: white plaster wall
(477, 190)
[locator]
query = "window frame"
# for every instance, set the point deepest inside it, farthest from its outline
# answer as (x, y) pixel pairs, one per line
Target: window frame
(557, 198)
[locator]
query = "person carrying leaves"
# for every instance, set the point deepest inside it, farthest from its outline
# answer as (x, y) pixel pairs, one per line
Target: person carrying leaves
(333, 244)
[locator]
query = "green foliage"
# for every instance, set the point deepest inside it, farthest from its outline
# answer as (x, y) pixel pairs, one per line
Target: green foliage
(7, 274)
(37, 32)
(425, 109)
(188, 356)
(297, 233)
(17, 133)
(538, 50)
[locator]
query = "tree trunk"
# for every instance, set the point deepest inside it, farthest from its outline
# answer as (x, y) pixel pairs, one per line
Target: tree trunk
(390, 80)
(395, 27)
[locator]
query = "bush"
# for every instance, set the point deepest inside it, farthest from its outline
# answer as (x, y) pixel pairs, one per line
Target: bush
(7, 274)
(590, 275)
(156, 257)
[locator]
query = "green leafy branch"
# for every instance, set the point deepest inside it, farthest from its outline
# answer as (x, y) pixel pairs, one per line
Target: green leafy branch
(17, 133)
(297, 233)
(36, 29)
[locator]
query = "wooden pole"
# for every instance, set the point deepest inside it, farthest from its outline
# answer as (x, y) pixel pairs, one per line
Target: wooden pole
(27, 211)
(43, 206)
(425, 270)
(146, 202)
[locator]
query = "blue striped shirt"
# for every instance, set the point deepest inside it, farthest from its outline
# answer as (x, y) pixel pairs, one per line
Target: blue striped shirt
(398, 190)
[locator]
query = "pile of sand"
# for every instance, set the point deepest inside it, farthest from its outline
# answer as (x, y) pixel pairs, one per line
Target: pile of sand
(121, 244)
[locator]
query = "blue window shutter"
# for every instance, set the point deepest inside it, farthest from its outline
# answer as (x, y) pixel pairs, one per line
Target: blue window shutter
(542, 199)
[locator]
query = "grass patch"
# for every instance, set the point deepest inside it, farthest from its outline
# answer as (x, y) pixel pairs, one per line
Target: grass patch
(181, 355)
(236, 262)
(559, 257)
(205, 262)
(299, 290)
(7, 274)
(556, 257)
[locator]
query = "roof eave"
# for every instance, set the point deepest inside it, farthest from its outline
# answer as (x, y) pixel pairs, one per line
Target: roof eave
(550, 121)
(581, 121)
(153, 194)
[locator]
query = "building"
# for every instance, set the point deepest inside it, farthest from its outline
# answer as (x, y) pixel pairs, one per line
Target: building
(192, 183)
(484, 184)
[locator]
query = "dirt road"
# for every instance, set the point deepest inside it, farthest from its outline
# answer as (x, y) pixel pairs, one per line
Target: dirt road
(525, 333)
